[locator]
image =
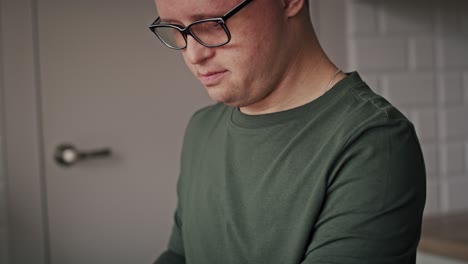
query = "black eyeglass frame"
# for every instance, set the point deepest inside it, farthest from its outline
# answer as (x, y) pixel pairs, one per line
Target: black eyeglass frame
(186, 31)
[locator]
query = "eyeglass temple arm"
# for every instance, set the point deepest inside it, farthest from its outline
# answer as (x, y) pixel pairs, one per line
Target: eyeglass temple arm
(235, 9)
(226, 16)
(155, 22)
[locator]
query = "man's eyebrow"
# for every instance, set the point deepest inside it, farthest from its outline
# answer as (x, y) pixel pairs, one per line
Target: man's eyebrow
(196, 17)
(170, 21)
(193, 18)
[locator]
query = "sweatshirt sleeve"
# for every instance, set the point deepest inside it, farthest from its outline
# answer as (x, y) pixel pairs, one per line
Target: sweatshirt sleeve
(169, 257)
(374, 200)
(175, 252)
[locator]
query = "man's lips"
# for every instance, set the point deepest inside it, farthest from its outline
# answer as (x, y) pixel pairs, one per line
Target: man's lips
(211, 78)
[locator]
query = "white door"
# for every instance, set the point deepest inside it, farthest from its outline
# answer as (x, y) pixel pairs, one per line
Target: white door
(107, 82)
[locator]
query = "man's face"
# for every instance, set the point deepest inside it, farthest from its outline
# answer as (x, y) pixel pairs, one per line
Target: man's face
(251, 65)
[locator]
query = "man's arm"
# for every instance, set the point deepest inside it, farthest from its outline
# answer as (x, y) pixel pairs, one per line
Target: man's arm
(375, 200)
(169, 257)
(175, 252)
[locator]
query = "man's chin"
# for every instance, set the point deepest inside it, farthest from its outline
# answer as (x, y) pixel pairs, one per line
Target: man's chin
(220, 96)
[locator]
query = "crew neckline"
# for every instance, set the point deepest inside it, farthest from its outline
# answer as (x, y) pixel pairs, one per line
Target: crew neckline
(241, 120)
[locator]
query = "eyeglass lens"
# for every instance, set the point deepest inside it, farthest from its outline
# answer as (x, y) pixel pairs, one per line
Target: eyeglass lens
(171, 36)
(209, 33)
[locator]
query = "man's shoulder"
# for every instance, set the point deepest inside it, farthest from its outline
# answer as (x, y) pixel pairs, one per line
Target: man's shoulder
(359, 109)
(366, 105)
(210, 112)
(208, 116)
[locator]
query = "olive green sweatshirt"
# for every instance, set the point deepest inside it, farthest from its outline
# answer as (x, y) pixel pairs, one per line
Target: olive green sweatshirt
(339, 180)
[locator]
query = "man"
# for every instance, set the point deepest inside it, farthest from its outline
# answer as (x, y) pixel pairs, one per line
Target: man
(298, 162)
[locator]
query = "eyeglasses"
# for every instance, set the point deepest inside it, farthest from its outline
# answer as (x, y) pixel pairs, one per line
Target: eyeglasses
(211, 32)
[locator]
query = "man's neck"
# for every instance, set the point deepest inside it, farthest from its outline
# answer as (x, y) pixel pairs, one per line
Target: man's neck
(306, 79)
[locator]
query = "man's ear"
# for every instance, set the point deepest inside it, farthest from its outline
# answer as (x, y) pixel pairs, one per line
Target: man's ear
(292, 7)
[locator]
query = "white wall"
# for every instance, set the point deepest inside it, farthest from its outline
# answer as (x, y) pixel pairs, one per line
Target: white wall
(3, 211)
(415, 54)
(424, 258)
(21, 146)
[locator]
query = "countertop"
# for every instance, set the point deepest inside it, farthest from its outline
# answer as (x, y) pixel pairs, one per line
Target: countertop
(446, 235)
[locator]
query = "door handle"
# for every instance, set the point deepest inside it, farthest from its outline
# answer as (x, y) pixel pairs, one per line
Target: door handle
(67, 154)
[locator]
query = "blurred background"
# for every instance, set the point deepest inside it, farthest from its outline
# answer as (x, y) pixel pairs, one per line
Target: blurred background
(88, 77)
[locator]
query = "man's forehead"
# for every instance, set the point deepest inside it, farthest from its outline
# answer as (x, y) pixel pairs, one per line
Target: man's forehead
(190, 10)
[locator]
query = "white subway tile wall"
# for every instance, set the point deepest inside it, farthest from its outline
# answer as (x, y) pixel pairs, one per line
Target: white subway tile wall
(421, 53)
(415, 54)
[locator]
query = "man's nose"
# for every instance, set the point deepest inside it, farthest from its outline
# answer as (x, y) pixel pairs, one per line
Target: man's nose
(196, 53)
